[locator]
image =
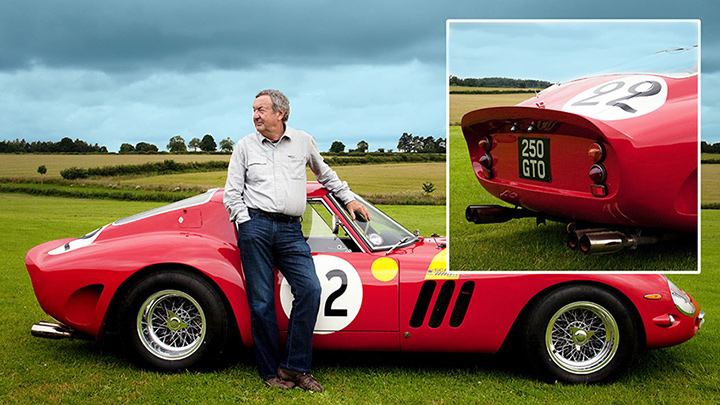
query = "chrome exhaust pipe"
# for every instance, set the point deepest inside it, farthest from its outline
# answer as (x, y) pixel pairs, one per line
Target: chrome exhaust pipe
(51, 330)
(606, 242)
(574, 234)
(494, 214)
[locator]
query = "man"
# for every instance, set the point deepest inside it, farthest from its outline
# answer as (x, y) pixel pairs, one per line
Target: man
(265, 196)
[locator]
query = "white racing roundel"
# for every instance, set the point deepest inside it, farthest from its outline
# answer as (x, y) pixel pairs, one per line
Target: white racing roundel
(620, 98)
(341, 296)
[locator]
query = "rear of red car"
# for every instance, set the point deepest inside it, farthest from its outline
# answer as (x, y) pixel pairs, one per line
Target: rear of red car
(576, 153)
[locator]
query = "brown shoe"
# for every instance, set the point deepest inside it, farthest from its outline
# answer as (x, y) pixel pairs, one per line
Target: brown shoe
(276, 382)
(305, 381)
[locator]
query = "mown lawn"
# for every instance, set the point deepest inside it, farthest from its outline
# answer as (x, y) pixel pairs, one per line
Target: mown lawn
(38, 370)
(522, 245)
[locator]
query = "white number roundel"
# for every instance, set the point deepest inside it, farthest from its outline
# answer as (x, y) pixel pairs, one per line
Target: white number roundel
(341, 296)
(620, 98)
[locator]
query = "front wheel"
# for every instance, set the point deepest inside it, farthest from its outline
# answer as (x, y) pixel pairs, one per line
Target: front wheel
(173, 320)
(580, 334)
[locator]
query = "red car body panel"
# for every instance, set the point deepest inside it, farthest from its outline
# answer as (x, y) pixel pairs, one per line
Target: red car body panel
(650, 160)
(78, 287)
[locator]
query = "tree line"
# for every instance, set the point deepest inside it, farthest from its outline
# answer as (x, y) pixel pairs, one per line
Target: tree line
(499, 82)
(65, 145)
(176, 144)
(709, 148)
(406, 143)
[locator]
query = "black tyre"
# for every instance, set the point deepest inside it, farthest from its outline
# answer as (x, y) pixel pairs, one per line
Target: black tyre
(580, 334)
(173, 320)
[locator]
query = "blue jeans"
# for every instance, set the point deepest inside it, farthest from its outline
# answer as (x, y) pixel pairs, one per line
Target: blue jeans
(265, 242)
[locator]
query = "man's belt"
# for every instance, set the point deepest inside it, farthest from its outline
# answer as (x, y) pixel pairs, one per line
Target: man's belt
(274, 215)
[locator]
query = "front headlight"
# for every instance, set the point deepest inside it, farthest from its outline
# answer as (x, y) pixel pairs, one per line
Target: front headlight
(78, 243)
(682, 301)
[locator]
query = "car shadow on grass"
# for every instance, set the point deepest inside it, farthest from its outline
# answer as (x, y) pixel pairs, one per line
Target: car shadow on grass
(523, 245)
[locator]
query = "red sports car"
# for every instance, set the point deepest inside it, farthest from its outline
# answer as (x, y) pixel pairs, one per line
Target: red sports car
(616, 156)
(170, 283)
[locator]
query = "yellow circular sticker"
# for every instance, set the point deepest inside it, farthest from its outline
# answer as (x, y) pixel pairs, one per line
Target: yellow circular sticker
(384, 269)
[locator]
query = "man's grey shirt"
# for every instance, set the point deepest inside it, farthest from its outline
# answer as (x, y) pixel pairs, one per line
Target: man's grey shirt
(270, 176)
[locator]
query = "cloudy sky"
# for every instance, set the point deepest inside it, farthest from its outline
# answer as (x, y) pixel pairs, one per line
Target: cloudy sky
(135, 71)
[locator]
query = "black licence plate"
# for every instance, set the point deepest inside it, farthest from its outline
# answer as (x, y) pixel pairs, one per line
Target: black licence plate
(534, 158)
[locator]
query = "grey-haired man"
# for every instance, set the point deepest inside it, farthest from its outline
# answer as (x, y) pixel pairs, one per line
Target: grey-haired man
(265, 195)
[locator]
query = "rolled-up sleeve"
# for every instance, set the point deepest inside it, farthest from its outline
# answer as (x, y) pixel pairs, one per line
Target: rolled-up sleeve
(234, 186)
(327, 176)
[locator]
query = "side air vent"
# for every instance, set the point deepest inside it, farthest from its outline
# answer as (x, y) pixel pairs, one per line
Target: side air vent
(441, 305)
(462, 303)
(421, 306)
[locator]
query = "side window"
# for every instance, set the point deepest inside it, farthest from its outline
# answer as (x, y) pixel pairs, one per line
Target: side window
(317, 227)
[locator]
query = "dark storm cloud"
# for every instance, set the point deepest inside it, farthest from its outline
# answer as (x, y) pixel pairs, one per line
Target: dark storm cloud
(177, 35)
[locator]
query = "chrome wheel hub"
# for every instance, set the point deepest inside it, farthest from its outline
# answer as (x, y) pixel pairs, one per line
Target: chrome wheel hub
(582, 337)
(171, 324)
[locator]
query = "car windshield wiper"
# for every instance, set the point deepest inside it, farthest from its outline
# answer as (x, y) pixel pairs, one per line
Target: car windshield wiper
(395, 246)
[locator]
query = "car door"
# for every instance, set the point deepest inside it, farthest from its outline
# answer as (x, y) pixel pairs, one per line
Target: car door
(359, 300)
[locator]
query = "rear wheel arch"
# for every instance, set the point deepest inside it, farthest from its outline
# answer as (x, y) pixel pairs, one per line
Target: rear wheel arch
(110, 323)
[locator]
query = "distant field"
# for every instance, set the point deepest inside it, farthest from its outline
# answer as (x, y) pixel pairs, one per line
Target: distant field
(364, 179)
(715, 156)
(26, 165)
(464, 103)
(710, 184)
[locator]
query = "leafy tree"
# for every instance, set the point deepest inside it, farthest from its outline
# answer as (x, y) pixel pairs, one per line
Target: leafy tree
(42, 170)
(127, 148)
(405, 142)
(226, 145)
(177, 144)
(337, 147)
(194, 144)
(362, 147)
(145, 147)
(207, 144)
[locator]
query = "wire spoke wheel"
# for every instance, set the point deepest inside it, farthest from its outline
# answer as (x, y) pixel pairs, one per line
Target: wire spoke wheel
(171, 324)
(582, 337)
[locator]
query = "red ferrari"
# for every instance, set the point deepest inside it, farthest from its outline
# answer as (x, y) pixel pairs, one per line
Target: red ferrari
(615, 156)
(169, 282)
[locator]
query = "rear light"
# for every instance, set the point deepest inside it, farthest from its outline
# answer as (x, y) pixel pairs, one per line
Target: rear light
(597, 174)
(596, 153)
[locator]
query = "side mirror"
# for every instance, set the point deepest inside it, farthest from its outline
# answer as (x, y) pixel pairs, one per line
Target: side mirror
(335, 225)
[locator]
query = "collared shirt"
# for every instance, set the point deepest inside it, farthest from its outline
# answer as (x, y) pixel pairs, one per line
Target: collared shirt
(270, 176)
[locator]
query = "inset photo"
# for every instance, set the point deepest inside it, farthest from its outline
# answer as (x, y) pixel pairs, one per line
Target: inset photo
(574, 145)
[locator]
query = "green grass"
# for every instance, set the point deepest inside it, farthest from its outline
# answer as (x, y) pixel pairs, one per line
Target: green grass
(522, 245)
(39, 371)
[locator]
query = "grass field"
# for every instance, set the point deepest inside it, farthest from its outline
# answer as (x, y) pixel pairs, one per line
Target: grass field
(521, 245)
(363, 179)
(710, 183)
(39, 371)
(26, 165)
(464, 103)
